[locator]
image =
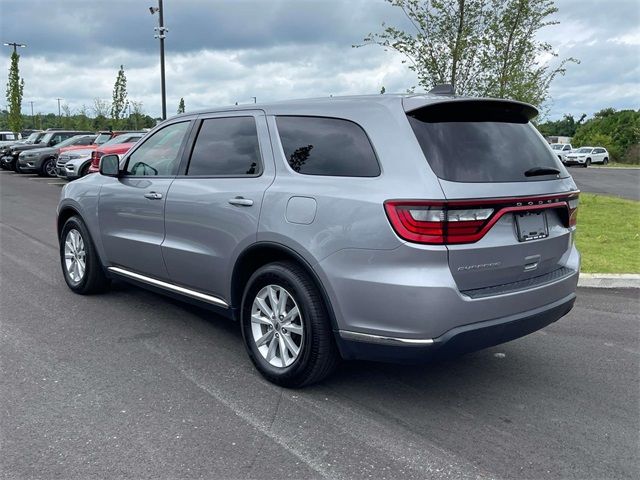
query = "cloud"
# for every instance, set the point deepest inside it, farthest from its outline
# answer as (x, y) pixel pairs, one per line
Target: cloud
(219, 52)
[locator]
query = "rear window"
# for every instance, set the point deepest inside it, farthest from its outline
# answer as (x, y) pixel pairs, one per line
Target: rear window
(467, 142)
(103, 138)
(327, 146)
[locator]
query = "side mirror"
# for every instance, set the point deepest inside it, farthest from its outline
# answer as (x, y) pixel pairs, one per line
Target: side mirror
(110, 165)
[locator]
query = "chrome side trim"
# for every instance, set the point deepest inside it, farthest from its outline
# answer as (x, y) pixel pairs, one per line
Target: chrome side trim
(382, 340)
(170, 286)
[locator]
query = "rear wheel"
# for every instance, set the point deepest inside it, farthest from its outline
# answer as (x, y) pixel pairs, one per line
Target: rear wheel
(80, 263)
(48, 168)
(285, 326)
(605, 161)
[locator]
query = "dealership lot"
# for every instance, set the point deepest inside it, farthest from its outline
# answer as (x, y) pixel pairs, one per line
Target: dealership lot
(622, 182)
(134, 384)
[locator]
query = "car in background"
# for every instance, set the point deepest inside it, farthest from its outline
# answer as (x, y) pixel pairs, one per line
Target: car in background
(43, 160)
(102, 138)
(34, 138)
(7, 136)
(585, 156)
(561, 149)
(50, 138)
(77, 163)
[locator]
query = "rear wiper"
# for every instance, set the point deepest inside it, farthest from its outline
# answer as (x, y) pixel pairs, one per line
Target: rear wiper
(535, 171)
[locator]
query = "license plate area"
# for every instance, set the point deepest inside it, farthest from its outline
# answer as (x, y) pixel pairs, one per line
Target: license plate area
(531, 226)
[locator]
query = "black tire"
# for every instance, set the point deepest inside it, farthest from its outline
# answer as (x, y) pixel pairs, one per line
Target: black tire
(84, 171)
(587, 163)
(605, 161)
(94, 279)
(49, 163)
(16, 167)
(318, 352)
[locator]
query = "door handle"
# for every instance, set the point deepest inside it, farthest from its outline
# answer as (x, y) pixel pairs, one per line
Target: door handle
(241, 202)
(153, 195)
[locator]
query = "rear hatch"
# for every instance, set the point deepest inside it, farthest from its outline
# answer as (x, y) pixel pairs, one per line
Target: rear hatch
(510, 202)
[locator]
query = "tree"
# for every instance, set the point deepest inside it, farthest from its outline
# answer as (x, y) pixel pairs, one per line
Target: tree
(119, 104)
(382, 90)
(617, 131)
(15, 88)
(181, 105)
(566, 127)
(481, 47)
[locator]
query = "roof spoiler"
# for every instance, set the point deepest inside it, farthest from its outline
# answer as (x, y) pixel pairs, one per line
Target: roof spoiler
(461, 106)
(443, 89)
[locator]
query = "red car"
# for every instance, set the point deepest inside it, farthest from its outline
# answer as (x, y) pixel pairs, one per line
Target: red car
(113, 148)
(103, 137)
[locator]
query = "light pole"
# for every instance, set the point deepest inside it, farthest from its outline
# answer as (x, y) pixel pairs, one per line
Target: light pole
(33, 121)
(14, 45)
(59, 115)
(161, 30)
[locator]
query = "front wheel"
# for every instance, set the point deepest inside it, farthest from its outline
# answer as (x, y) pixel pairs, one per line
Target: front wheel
(80, 263)
(48, 168)
(286, 327)
(587, 163)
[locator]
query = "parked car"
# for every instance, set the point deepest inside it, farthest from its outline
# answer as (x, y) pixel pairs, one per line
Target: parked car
(43, 160)
(386, 227)
(74, 164)
(34, 138)
(585, 156)
(7, 136)
(50, 138)
(562, 150)
(102, 138)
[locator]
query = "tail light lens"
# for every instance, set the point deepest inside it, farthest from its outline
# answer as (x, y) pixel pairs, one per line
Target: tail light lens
(95, 158)
(455, 222)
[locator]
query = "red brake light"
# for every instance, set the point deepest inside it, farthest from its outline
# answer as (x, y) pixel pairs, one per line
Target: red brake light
(465, 221)
(95, 158)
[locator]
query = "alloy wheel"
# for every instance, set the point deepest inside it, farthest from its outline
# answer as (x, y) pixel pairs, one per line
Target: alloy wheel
(74, 255)
(276, 325)
(50, 168)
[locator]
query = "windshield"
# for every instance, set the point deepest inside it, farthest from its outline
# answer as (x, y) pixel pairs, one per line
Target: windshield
(32, 138)
(71, 141)
(124, 138)
(102, 138)
(481, 143)
(557, 146)
(584, 150)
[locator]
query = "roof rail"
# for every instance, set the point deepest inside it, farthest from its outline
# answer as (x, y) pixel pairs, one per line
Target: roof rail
(443, 89)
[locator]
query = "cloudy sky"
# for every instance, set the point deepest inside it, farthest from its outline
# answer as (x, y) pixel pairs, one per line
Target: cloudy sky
(225, 51)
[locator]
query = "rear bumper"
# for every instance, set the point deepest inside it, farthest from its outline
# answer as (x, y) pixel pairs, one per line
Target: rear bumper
(454, 342)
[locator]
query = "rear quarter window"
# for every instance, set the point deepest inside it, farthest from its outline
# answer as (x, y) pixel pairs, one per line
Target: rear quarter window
(480, 143)
(327, 146)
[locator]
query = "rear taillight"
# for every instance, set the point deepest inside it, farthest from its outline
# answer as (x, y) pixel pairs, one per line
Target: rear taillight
(573, 210)
(465, 221)
(95, 158)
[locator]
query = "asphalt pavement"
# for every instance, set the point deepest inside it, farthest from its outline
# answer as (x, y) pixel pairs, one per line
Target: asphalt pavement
(130, 384)
(621, 182)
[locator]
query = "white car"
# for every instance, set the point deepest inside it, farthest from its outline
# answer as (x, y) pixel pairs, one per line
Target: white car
(585, 156)
(561, 149)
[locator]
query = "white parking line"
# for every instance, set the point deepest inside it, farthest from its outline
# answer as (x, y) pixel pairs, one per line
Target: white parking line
(57, 183)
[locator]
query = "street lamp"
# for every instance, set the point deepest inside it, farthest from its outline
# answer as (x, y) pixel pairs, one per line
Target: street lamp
(14, 45)
(160, 35)
(59, 115)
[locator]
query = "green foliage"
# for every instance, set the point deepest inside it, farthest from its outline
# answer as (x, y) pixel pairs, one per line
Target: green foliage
(481, 47)
(119, 104)
(15, 88)
(566, 127)
(608, 234)
(181, 105)
(617, 131)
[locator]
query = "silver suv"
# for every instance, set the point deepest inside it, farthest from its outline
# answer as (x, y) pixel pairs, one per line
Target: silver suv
(387, 227)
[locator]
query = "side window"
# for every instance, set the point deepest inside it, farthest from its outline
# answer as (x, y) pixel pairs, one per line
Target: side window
(327, 146)
(159, 154)
(226, 146)
(56, 139)
(566, 147)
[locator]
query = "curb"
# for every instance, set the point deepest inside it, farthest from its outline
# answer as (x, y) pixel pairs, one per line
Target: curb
(609, 280)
